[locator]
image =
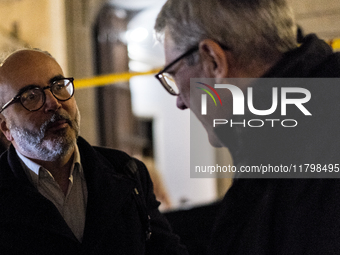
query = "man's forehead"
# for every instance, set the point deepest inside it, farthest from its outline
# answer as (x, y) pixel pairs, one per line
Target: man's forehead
(170, 49)
(168, 40)
(24, 58)
(27, 65)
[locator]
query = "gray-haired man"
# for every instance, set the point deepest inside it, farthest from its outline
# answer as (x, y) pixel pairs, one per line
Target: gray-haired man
(221, 39)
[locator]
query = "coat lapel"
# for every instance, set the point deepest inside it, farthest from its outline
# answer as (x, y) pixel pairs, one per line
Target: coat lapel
(24, 204)
(108, 190)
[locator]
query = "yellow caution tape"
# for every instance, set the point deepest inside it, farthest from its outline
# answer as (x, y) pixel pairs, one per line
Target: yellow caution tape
(335, 43)
(107, 79)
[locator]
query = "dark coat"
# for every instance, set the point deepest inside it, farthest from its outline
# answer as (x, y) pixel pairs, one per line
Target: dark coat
(288, 216)
(115, 220)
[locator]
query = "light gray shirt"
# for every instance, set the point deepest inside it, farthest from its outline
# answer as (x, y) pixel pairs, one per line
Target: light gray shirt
(72, 207)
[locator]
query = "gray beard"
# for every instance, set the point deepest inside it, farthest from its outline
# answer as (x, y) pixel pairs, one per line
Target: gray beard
(35, 144)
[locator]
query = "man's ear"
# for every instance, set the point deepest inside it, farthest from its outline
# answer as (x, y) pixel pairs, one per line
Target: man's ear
(214, 59)
(4, 128)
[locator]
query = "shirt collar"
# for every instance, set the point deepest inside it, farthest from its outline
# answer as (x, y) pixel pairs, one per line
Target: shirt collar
(35, 168)
(29, 163)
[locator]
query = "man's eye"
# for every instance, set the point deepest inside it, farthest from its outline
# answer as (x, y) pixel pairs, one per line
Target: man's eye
(59, 87)
(170, 74)
(30, 97)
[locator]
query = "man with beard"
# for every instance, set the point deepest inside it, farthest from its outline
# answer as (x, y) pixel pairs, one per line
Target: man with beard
(58, 194)
(223, 42)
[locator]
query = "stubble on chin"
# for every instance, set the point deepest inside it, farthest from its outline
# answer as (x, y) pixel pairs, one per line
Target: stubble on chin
(44, 144)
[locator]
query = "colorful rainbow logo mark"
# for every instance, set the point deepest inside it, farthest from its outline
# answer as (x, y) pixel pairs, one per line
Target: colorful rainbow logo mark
(213, 90)
(204, 97)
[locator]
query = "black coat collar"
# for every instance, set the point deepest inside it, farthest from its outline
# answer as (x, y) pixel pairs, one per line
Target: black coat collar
(251, 146)
(303, 61)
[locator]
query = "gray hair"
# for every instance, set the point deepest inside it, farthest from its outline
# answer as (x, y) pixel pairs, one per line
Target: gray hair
(254, 30)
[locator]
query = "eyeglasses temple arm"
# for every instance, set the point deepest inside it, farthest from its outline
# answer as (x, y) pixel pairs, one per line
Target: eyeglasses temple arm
(8, 103)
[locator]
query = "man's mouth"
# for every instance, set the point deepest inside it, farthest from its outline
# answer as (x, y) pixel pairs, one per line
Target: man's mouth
(58, 123)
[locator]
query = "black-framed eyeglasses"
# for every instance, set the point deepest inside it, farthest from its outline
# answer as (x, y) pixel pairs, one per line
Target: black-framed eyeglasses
(167, 80)
(32, 98)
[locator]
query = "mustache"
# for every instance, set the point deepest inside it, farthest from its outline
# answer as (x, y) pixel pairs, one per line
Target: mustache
(53, 119)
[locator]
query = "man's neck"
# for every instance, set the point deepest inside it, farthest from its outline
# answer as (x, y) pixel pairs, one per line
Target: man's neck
(60, 168)
(256, 69)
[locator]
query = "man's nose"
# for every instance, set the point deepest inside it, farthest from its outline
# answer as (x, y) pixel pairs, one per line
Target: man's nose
(180, 104)
(52, 103)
